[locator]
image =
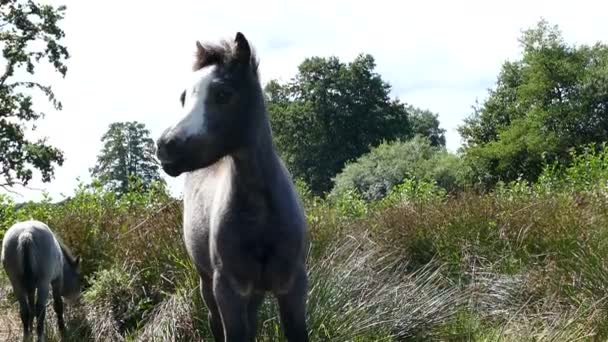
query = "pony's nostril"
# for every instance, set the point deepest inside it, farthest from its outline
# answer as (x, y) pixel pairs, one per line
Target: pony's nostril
(166, 148)
(171, 146)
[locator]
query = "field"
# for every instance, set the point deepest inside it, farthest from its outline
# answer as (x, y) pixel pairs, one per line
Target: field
(521, 263)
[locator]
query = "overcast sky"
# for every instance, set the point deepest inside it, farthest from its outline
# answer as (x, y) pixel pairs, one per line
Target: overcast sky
(130, 58)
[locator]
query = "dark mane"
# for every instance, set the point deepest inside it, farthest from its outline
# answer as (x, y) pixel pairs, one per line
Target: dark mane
(67, 253)
(221, 53)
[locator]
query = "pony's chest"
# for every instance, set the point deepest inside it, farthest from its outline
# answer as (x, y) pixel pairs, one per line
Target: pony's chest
(237, 222)
(206, 194)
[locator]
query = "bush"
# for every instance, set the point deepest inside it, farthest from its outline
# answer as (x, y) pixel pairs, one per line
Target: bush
(374, 174)
(414, 191)
(7, 214)
(588, 174)
(448, 171)
(588, 171)
(115, 303)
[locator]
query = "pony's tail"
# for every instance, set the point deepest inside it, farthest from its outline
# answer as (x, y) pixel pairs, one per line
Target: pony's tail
(28, 260)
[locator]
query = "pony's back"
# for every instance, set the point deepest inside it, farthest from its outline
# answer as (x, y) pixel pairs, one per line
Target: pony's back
(31, 254)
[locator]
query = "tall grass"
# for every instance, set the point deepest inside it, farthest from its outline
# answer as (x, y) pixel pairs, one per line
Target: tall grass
(523, 263)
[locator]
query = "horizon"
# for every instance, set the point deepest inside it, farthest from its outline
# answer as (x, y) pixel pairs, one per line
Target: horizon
(437, 56)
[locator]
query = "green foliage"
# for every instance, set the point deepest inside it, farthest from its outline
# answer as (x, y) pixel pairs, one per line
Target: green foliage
(551, 100)
(330, 113)
(29, 33)
(349, 204)
(448, 170)
(7, 214)
(106, 282)
(127, 159)
(426, 123)
(374, 174)
(588, 170)
(587, 173)
(414, 191)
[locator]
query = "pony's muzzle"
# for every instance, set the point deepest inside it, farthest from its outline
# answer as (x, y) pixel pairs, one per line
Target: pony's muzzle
(166, 148)
(169, 150)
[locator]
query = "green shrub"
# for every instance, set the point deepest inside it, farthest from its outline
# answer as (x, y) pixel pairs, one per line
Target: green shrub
(374, 174)
(588, 173)
(116, 303)
(7, 214)
(446, 169)
(414, 191)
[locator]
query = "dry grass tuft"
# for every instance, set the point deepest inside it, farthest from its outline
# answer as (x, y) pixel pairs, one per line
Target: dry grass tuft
(173, 320)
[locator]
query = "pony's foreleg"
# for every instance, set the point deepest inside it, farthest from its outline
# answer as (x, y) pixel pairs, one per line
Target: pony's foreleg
(215, 320)
(255, 301)
(232, 307)
(292, 308)
(58, 306)
(41, 298)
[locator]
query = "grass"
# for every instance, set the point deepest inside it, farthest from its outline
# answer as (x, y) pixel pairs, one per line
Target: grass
(10, 324)
(518, 264)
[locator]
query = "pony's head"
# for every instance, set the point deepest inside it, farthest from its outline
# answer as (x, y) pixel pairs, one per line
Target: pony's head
(72, 277)
(220, 108)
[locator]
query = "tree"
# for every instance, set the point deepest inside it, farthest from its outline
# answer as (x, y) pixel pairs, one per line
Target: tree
(29, 33)
(426, 124)
(330, 113)
(127, 158)
(551, 100)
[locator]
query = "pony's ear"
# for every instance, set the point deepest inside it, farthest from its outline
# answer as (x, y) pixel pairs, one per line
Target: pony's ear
(199, 48)
(243, 51)
(201, 52)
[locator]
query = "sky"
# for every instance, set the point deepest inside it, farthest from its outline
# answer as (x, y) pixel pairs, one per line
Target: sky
(130, 59)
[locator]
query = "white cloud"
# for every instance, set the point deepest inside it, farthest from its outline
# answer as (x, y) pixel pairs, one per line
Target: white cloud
(130, 58)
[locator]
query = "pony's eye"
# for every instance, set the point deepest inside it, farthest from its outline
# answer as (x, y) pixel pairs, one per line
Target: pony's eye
(222, 95)
(182, 98)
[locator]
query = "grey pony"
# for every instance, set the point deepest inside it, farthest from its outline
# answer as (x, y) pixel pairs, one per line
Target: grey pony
(244, 225)
(35, 260)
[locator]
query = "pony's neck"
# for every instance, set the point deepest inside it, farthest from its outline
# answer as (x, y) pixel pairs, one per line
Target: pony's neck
(67, 254)
(255, 164)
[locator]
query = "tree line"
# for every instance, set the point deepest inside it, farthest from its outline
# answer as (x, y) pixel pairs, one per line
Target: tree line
(334, 123)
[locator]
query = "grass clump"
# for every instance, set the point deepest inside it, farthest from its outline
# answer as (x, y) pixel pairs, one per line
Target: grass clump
(116, 302)
(175, 319)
